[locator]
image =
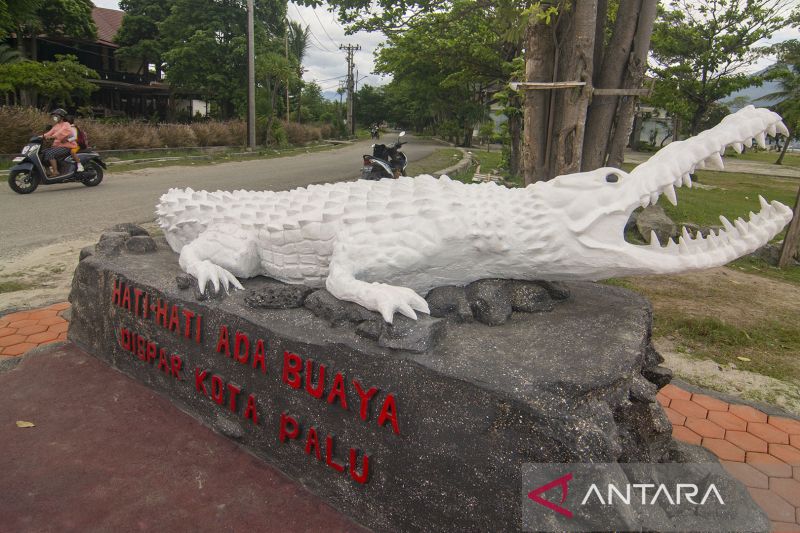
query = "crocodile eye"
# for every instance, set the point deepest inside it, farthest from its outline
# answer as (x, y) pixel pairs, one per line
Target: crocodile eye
(612, 178)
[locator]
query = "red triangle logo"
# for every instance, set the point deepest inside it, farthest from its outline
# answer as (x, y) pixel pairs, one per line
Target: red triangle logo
(560, 482)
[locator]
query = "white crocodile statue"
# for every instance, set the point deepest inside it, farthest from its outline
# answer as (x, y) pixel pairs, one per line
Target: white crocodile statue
(384, 243)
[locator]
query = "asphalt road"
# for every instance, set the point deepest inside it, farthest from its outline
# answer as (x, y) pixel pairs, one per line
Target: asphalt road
(55, 213)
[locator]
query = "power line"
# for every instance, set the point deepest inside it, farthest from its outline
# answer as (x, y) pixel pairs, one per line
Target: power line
(310, 32)
(323, 27)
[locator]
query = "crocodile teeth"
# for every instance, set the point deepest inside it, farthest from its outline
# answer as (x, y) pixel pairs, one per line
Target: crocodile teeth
(682, 246)
(761, 140)
(715, 161)
(685, 233)
(741, 225)
(653, 198)
(739, 147)
(669, 192)
(764, 204)
(782, 129)
(728, 226)
(654, 242)
(772, 130)
(687, 180)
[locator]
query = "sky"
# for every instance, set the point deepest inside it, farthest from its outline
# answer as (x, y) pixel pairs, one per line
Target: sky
(326, 64)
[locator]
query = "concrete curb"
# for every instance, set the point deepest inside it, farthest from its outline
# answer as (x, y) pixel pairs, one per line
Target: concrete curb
(461, 166)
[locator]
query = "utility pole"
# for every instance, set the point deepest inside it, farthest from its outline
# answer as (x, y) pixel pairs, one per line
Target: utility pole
(286, 45)
(351, 125)
(251, 80)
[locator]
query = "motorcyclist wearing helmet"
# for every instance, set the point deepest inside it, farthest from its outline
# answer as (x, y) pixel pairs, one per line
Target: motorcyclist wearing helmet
(60, 134)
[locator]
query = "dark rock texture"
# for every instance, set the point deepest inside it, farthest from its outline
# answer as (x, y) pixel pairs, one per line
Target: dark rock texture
(277, 295)
(653, 218)
(140, 244)
(131, 229)
(529, 297)
(490, 301)
(565, 386)
(449, 301)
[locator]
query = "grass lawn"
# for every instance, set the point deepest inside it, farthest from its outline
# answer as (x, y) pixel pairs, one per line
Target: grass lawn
(791, 159)
(438, 160)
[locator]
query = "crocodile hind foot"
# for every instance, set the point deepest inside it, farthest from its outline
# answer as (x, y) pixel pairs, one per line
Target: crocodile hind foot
(205, 271)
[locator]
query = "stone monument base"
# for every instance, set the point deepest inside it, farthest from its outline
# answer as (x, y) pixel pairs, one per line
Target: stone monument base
(429, 439)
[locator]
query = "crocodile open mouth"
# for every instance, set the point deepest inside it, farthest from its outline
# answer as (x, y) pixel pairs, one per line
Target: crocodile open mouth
(672, 167)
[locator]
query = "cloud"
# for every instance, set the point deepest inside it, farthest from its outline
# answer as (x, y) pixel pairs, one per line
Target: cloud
(325, 63)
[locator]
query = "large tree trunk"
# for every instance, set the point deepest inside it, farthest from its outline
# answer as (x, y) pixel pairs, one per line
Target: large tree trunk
(555, 118)
(539, 52)
(569, 112)
(786, 141)
(603, 108)
(633, 80)
(792, 237)
(515, 132)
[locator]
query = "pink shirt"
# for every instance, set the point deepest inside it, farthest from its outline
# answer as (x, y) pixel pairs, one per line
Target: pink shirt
(61, 131)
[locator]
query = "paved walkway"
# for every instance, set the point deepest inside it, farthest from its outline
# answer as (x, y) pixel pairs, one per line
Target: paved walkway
(762, 451)
(733, 165)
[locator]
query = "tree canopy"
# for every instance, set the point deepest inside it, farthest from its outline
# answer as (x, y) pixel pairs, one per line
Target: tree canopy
(701, 49)
(53, 17)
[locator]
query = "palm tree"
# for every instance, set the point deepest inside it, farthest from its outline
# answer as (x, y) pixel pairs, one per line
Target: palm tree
(9, 55)
(787, 73)
(298, 43)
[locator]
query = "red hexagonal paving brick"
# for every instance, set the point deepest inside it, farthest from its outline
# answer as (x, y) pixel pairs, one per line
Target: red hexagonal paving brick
(675, 418)
(784, 527)
(705, 428)
(58, 328)
(32, 330)
(747, 474)
(785, 453)
(688, 408)
(786, 488)
(727, 420)
(18, 349)
(685, 434)
(22, 323)
(49, 321)
(10, 340)
(770, 465)
(794, 440)
(767, 432)
(724, 449)
(663, 399)
(5, 332)
(747, 441)
(747, 413)
(60, 306)
(41, 313)
(14, 316)
(777, 508)
(712, 404)
(785, 424)
(675, 393)
(45, 336)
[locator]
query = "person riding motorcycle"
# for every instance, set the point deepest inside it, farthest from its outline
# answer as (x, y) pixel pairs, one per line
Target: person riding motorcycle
(60, 134)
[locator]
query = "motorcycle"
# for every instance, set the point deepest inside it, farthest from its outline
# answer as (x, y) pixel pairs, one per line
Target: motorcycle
(29, 171)
(375, 132)
(385, 161)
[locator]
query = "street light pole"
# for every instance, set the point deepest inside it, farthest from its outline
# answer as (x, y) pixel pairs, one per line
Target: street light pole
(251, 79)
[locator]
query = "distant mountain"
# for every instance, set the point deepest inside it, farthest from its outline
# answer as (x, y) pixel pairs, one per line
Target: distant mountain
(753, 95)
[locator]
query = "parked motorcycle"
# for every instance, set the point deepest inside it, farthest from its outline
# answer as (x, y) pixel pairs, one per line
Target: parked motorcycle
(29, 171)
(385, 161)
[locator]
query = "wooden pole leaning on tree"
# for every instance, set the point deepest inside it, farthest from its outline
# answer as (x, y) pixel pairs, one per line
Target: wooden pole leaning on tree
(251, 80)
(792, 238)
